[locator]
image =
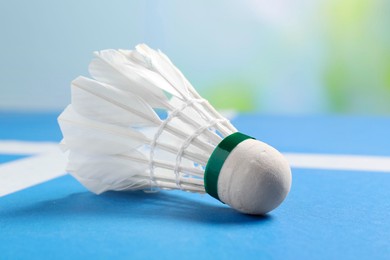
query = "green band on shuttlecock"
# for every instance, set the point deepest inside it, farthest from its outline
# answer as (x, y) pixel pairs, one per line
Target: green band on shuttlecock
(217, 159)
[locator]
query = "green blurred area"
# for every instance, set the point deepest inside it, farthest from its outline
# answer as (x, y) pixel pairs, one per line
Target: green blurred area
(337, 56)
(271, 57)
(357, 70)
(231, 95)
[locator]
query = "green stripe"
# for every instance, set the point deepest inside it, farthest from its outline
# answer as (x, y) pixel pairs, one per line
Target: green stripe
(217, 159)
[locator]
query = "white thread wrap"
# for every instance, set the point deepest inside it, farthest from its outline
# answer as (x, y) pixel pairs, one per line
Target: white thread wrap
(186, 143)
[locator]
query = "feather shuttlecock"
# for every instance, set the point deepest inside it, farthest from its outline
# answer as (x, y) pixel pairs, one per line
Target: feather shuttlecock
(140, 124)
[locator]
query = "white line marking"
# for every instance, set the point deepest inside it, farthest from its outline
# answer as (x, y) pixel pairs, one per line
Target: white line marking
(21, 174)
(49, 163)
(22, 147)
(339, 162)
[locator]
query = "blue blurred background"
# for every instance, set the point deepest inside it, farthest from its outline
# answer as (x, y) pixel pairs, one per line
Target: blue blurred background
(274, 57)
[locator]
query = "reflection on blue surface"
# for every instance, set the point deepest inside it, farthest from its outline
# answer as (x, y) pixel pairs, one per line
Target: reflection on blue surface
(327, 215)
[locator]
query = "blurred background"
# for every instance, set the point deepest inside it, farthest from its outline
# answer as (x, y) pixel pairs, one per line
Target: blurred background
(273, 57)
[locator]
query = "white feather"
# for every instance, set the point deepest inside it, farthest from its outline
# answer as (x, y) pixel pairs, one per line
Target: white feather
(89, 136)
(103, 172)
(115, 69)
(163, 66)
(105, 103)
(116, 139)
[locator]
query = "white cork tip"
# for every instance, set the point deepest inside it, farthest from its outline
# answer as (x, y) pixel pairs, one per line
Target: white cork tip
(255, 178)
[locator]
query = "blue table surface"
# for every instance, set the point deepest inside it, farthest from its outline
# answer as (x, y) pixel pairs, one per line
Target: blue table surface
(328, 214)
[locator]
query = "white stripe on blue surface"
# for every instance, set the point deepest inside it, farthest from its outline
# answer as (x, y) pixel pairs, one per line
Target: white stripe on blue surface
(48, 162)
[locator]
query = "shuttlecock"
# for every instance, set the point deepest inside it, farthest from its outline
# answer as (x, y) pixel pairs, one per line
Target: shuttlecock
(139, 124)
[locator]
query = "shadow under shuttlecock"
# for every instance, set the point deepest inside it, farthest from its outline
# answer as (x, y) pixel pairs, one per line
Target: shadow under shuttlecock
(132, 205)
(169, 204)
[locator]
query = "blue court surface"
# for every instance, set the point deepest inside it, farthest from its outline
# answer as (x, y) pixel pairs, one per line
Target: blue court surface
(329, 213)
